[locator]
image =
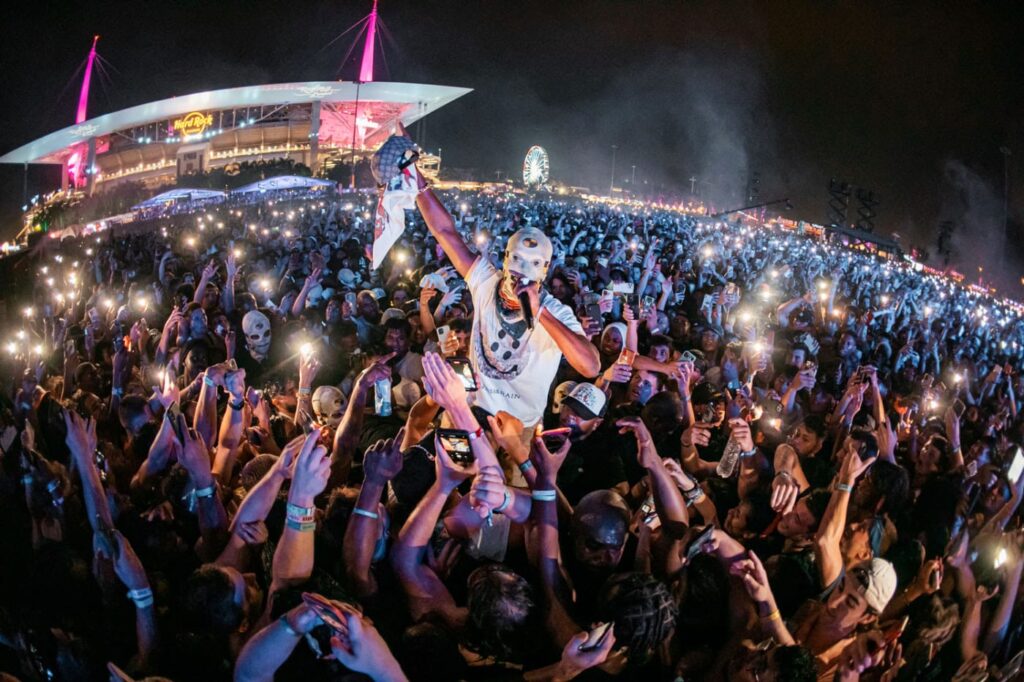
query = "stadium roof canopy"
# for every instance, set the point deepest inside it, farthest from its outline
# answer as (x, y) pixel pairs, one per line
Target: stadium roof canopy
(282, 182)
(178, 194)
(413, 101)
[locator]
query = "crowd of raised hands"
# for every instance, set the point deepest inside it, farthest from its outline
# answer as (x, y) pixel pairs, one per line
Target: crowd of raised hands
(230, 450)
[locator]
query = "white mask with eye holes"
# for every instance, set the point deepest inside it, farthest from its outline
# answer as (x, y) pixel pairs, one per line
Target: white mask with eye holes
(328, 406)
(256, 327)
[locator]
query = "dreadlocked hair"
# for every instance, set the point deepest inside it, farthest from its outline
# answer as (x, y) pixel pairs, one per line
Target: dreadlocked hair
(643, 611)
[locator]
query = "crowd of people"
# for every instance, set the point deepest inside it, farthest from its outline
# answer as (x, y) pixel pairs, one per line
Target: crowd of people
(547, 439)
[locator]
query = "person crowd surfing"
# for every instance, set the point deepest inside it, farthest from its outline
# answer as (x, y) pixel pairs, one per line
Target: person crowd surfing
(546, 439)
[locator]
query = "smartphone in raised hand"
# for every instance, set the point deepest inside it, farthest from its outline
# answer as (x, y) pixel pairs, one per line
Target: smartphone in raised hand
(465, 372)
(456, 443)
(1016, 466)
(597, 637)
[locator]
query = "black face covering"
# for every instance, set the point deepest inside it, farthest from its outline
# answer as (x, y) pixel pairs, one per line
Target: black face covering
(576, 433)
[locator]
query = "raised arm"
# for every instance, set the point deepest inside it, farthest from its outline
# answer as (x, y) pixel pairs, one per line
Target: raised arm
(577, 348)
(381, 463)
(423, 587)
(293, 559)
(833, 521)
(347, 434)
(230, 437)
(440, 223)
(545, 518)
(213, 519)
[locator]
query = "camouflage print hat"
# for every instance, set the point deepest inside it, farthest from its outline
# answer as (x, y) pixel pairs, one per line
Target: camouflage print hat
(385, 162)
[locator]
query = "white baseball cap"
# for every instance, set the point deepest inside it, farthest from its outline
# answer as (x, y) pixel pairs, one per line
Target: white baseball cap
(586, 400)
(881, 583)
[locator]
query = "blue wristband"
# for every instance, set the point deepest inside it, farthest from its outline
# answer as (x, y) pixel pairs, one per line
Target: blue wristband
(368, 514)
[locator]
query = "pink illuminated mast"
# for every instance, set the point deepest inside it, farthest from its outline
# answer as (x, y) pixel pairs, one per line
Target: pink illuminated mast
(83, 97)
(77, 161)
(366, 69)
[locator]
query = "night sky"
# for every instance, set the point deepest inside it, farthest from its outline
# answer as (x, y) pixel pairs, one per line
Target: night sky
(912, 101)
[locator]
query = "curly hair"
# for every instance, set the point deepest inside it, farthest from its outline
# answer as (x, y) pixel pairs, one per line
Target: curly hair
(643, 610)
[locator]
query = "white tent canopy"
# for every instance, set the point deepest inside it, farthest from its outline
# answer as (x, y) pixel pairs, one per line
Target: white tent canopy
(181, 194)
(283, 182)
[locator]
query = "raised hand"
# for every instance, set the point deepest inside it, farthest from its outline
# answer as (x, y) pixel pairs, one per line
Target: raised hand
(751, 573)
(575, 659)
(309, 367)
(617, 373)
(646, 453)
(167, 394)
(450, 474)
(507, 431)
(698, 434)
(310, 472)
(383, 460)
(195, 456)
(487, 492)
(548, 463)
(234, 383)
(81, 434)
(314, 278)
(127, 565)
(740, 432)
(254, 533)
(365, 651)
(442, 383)
(210, 271)
(853, 466)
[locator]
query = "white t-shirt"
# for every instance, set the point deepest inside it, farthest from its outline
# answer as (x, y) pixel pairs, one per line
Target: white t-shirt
(514, 372)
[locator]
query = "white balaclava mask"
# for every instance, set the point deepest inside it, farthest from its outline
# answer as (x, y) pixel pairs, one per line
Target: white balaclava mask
(528, 254)
(256, 327)
(328, 406)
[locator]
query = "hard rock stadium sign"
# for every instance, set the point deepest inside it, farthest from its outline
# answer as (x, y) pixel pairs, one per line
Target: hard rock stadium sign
(193, 123)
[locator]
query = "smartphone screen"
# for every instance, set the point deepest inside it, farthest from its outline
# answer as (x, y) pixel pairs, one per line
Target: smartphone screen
(456, 444)
(465, 372)
(1016, 466)
(959, 408)
(596, 637)
(626, 357)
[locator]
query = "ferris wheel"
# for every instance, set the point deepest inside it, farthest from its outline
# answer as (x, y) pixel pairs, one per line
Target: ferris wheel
(535, 166)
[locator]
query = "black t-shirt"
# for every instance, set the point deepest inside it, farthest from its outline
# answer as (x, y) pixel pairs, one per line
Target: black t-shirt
(594, 463)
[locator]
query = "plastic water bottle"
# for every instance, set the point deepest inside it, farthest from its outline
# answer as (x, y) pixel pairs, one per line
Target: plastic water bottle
(730, 456)
(382, 397)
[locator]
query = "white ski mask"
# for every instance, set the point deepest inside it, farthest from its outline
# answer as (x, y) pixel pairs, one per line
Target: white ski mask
(328, 405)
(256, 328)
(528, 254)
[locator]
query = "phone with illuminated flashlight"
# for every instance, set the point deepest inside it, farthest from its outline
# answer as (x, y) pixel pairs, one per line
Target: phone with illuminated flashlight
(1016, 466)
(554, 439)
